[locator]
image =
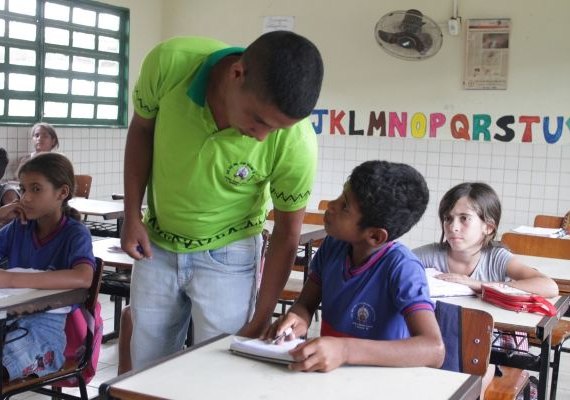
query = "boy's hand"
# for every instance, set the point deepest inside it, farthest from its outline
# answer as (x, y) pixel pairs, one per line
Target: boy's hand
(322, 354)
(11, 211)
(291, 320)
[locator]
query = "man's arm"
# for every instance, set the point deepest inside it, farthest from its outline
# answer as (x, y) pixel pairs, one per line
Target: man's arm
(278, 261)
(138, 163)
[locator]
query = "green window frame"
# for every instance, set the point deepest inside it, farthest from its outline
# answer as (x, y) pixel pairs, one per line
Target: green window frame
(64, 62)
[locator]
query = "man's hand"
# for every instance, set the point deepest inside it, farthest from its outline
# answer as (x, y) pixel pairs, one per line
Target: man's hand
(134, 240)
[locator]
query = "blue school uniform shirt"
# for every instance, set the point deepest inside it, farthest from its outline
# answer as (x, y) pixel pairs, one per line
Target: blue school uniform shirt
(371, 301)
(67, 246)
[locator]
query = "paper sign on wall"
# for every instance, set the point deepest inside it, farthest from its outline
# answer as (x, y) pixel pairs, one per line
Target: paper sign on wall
(487, 54)
(278, 23)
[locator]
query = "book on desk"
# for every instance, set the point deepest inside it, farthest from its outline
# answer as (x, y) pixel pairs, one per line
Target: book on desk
(263, 350)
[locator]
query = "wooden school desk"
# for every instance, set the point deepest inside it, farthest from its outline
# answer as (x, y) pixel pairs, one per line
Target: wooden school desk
(210, 371)
(34, 301)
(109, 210)
(535, 324)
(555, 268)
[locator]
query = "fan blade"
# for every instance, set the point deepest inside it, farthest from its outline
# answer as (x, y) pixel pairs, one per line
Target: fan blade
(388, 37)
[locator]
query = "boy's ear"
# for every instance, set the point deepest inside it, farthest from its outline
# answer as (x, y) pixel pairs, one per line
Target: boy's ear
(377, 236)
(237, 71)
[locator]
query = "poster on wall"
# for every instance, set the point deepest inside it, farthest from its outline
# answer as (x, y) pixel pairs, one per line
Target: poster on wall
(487, 54)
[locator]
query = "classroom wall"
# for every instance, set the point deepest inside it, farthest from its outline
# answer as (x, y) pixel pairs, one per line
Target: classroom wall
(530, 177)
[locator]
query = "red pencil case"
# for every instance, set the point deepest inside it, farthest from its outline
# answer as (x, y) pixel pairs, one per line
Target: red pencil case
(514, 299)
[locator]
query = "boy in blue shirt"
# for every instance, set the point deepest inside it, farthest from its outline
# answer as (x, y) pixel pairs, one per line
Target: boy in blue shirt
(376, 308)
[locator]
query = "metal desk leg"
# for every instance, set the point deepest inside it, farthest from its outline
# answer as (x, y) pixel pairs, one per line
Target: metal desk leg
(543, 392)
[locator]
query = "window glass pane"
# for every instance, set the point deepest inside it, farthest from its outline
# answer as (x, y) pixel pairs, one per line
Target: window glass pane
(107, 111)
(2, 80)
(108, 21)
(22, 57)
(21, 82)
(108, 44)
(82, 110)
(1, 107)
(108, 67)
(83, 64)
(83, 17)
(27, 7)
(82, 87)
(2, 54)
(107, 89)
(21, 30)
(57, 36)
(56, 85)
(84, 40)
(55, 109)
(2, 27)
(57, 61)
(21, 108)
(57, 12)
(2, 5)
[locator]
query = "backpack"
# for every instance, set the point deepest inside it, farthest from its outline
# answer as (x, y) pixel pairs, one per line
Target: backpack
(79, 326)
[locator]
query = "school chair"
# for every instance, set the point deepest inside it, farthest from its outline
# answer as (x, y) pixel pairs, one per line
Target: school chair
(73, 369)
(548, 221)
(82, 186)
(323, 204)
(553, 248)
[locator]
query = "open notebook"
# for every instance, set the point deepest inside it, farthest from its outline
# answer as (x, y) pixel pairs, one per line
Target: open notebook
(262, 350)
(439, 288)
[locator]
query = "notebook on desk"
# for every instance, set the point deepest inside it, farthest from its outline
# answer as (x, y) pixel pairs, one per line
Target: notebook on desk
(440, 288)
(264, 351)
(538, 231)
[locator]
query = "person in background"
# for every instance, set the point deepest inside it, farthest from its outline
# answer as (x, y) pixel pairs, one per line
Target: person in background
(8, 191)
(470, 214)
(44, 139)
(376, 308)
(43, 234)
(217, 132)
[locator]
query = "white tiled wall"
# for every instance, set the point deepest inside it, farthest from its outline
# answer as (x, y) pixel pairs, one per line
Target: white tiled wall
(530, 179)
(95, 152)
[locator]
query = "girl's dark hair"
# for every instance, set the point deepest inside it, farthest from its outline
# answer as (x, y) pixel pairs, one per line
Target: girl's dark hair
(58, 170)
(49, 129)
(484, 201)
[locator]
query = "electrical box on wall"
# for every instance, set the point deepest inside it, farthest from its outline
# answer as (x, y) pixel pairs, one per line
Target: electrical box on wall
(454, 26)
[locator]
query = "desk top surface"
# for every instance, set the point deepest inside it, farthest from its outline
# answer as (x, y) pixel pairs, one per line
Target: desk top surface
(106, 209)
(109, 250)
(213, 372)
(555, 268)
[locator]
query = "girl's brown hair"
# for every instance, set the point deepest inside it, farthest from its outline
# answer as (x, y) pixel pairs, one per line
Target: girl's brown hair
(58, 170)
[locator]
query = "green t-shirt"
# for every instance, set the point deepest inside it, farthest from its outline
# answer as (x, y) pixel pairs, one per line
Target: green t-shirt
(210, 187)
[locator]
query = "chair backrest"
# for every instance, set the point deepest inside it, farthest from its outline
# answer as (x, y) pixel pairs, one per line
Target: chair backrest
(467, 336)
(547, 221)
(536, 245)
(82, 185)
(323, 204)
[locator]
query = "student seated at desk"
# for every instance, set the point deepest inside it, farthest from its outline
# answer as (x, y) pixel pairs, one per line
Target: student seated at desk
(469, 214)
(8, 192)
(44, 234)
(376, 308)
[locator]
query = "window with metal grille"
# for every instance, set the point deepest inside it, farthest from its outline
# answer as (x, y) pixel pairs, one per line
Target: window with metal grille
(63, 62)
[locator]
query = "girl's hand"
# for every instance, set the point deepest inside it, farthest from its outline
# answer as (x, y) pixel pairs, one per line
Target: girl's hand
(290, 320)
(12, 211)
(321, 354)
(462, 279)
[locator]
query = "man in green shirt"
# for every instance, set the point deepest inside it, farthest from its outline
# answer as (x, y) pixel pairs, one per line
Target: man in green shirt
(217, 133)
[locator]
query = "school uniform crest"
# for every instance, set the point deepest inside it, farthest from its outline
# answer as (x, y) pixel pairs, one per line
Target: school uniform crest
(239, 173)
(363, 316)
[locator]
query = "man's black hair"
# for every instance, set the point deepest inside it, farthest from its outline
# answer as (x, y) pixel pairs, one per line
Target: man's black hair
(391, 196)
(286, 70)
